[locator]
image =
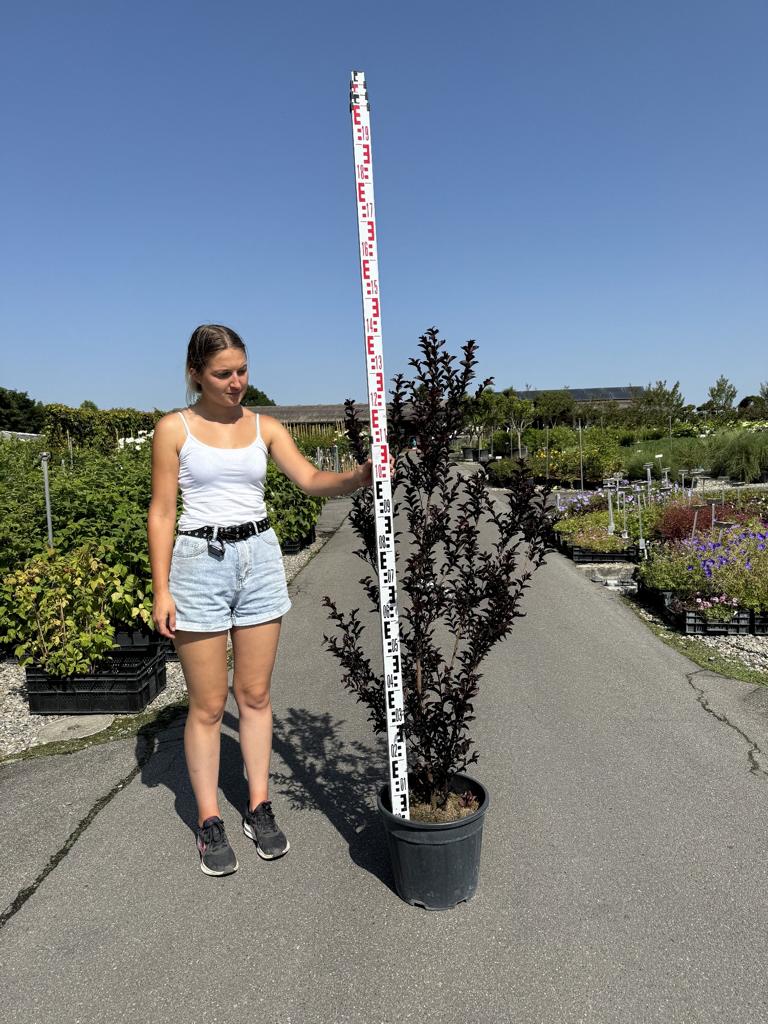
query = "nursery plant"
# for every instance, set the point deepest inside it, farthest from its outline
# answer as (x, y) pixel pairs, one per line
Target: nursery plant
(715, 572)
(292, 512)
(464, 562)
(59, 611)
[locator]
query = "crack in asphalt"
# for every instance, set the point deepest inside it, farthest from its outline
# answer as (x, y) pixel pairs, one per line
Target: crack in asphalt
(755, 767)
(24, 894)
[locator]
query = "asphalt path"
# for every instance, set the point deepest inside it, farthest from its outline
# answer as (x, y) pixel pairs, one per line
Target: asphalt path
(624, 862)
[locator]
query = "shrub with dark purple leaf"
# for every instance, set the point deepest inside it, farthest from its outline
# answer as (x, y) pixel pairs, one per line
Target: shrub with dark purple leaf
(464, 562)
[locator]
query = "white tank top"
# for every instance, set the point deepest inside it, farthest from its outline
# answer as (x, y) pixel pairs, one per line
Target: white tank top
(221, 486)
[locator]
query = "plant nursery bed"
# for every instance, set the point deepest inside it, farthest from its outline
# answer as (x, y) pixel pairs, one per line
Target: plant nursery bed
(120, 685)
(584, 555)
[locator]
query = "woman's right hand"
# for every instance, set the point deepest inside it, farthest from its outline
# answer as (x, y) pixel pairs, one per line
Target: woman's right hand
(164, 614)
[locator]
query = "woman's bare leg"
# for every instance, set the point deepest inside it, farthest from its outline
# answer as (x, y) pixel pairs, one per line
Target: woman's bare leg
(203, 658)
(255, 648)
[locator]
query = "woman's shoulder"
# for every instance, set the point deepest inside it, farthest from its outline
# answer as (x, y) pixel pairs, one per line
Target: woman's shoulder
(170, 429)
(267, 426)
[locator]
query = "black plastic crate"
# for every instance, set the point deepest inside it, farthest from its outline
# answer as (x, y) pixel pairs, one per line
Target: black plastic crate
(121, 685)
(581, 556)
(562, 544)
(760, 623)
(694, 624)
(660, 600)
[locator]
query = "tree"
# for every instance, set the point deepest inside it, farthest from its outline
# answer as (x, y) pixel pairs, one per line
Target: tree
(753, 407)
(254, 396)
(88, 404)
(722, 395)
(519, 414)
(555, 407)
(491, 407)
(658, 405)
(19, 412)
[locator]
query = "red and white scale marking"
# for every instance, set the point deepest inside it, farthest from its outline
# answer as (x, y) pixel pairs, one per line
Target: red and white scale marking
(382, 496)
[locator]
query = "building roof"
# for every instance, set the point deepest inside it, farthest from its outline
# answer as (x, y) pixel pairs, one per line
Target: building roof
(308, 413)
(625, 394)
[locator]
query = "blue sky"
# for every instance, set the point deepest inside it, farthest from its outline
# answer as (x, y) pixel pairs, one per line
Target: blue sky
(578, 186)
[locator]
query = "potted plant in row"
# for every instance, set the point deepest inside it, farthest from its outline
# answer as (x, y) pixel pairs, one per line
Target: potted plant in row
(714, 583)
(60, 614)
(464, 562)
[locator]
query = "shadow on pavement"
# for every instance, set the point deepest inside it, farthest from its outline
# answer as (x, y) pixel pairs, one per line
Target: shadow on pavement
(337, 777)
(166, 767)
(325, 772)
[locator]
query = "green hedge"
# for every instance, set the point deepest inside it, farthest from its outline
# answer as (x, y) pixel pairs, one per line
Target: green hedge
(101, 500)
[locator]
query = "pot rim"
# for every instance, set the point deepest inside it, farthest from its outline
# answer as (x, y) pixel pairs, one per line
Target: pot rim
(435, 826)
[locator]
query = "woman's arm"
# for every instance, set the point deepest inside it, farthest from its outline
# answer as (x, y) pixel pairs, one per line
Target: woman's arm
(309, 478)
(161, 519)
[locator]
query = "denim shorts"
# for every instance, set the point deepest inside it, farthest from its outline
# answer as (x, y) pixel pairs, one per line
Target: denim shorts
(241, 587)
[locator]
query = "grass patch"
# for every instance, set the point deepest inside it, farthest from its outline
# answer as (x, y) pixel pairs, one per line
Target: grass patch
(123, 727)
(700, 654)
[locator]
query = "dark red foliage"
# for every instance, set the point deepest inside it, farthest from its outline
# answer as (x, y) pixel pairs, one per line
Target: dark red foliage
(677, 521)
(464, 562)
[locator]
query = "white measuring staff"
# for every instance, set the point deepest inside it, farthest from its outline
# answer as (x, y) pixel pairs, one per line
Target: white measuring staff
(382, 488)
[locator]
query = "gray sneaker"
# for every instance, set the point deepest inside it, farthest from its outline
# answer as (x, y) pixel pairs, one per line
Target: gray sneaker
(216, 855)
(260, 826)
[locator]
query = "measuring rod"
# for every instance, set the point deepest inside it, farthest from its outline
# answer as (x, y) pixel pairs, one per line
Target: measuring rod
(382, 487)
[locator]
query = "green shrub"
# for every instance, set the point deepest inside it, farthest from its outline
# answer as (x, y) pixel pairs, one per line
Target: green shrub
(740, 455)
(293, 513)
(711, 568)
(59, 611)
(670, 567)
(594, 522)
(597, 539)
(502, 473)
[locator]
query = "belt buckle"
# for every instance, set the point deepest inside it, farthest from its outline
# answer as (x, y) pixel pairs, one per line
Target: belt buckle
(216, 544)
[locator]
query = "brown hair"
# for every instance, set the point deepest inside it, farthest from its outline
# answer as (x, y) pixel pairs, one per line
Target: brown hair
(206, 341)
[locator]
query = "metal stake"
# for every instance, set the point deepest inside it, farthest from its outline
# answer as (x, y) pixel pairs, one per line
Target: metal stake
(44, 457)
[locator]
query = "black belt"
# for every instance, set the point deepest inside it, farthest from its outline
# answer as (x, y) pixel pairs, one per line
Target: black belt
(241, 532)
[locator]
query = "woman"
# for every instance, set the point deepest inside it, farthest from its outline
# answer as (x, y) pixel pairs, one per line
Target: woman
(224, 574)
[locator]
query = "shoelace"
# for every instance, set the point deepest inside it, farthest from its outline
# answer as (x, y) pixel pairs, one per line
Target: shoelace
(214, 835)
(265, 817)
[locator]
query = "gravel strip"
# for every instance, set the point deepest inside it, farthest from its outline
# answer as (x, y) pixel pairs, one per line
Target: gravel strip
(20, 730)
(751, 651)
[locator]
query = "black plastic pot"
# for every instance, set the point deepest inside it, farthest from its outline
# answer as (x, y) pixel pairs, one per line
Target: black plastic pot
(436, 865)
(136, 638)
